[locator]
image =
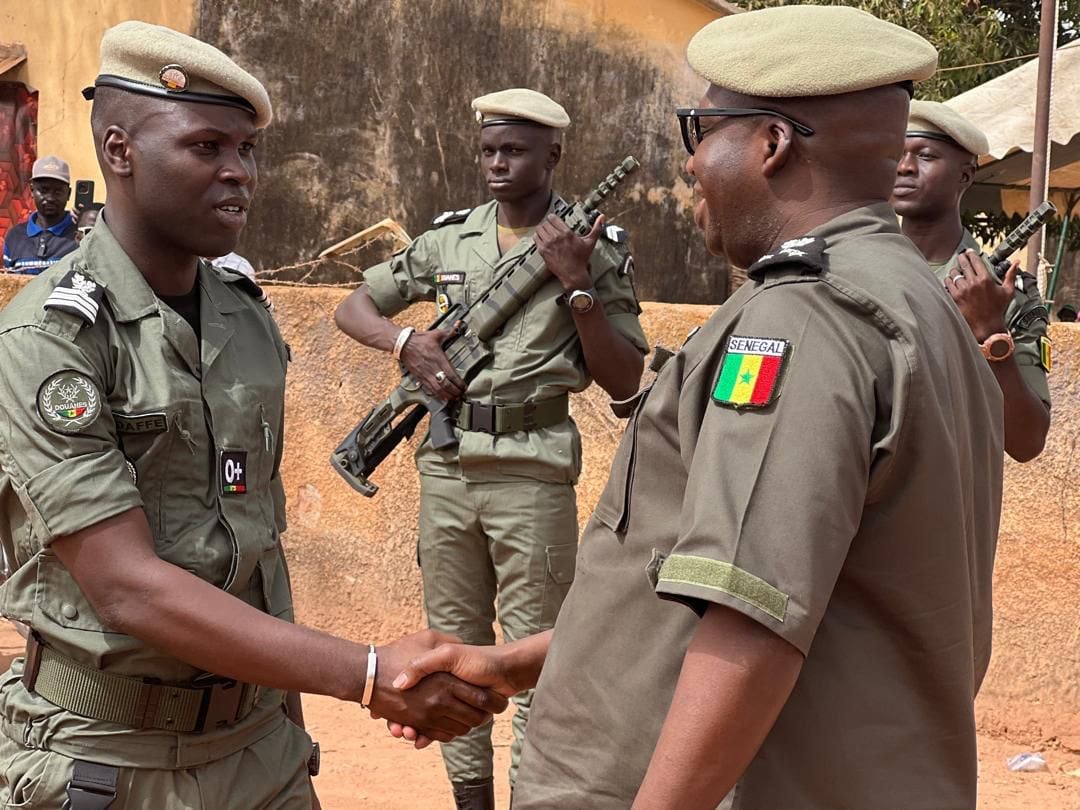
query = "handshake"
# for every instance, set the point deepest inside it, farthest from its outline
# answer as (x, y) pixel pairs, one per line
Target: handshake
(429, 686)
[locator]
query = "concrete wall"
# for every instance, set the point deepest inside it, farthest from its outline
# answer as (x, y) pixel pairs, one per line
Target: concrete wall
(373, 118)
(62, 38)
(354, 564)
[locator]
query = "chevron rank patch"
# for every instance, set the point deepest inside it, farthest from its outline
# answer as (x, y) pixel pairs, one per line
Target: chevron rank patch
(1046, 351)
(78, 294)
(616, 234)
(750, 371)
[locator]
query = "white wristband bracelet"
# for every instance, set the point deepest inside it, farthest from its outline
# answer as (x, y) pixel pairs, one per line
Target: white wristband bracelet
(369, 681)
(402, 339)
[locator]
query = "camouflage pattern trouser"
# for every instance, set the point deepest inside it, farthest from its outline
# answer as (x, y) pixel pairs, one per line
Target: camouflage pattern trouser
(516, 541)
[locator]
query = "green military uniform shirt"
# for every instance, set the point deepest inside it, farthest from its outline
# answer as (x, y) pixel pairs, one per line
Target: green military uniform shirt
(1026, 318)
(537, 353)
(825, 457)
(108, 402)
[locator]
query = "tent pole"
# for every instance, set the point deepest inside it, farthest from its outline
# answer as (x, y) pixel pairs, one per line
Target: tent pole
(1051, 285)
(1040, 156)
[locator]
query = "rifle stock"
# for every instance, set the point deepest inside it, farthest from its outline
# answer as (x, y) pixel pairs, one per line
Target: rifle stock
(467, 349)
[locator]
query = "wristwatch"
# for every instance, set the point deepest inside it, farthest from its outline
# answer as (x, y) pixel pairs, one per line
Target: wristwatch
(314, 760)
(581, 301)
(998, 347)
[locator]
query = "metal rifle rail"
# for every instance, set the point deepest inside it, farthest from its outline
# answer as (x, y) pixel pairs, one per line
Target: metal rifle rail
(1019, 237)
(467, 349)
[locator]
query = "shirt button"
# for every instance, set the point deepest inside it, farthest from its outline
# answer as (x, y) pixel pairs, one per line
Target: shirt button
(69, 611)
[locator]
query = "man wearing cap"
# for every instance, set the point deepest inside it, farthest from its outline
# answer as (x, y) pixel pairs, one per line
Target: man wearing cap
(141, 503)
(498, 512)
(1007, 317)
(49, 233)
(781, 601)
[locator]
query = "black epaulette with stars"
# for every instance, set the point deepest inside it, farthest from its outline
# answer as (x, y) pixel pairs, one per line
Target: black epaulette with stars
(77, 294)
(451, 217)
(807, 253)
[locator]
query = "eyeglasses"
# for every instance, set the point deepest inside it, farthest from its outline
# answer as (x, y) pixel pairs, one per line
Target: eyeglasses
(690, 121)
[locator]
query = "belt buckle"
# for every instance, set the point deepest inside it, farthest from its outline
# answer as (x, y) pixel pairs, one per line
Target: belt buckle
(482, 417)
(221, 703)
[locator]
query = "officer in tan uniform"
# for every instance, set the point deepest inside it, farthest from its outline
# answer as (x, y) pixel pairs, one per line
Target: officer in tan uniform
(498, 512)
(783, 596)
(1009, 320)
(141, 503)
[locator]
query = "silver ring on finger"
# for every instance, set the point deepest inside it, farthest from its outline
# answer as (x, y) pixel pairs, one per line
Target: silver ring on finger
(440, 376)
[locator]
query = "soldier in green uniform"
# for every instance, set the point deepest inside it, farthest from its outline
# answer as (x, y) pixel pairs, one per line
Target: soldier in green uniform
(783, 596)
(498, 513)
(141, 502)
(1007, 317)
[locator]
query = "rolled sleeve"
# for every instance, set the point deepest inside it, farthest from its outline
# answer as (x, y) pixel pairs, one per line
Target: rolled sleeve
(616, 290)
(775, 495)
(408, 277)
(66, 482)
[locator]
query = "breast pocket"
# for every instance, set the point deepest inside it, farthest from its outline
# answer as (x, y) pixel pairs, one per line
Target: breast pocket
(146, 439)
(451, 287)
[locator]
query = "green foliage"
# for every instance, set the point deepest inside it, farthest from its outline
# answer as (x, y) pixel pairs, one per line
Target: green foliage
(965, 32)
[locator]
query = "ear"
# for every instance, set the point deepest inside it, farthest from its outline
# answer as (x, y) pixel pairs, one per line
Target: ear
(554, 155)
(116, 151)
(967, 176)
(777, 142)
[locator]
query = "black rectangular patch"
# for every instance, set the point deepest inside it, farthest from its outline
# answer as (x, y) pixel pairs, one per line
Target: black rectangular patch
(141, 422)
(232, 472)
(450, 278)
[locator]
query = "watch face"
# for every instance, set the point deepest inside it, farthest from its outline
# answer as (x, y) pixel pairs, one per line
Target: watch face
(581, 301)
(999, 348)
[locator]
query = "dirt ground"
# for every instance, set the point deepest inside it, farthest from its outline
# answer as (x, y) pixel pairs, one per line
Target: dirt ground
(363, 767)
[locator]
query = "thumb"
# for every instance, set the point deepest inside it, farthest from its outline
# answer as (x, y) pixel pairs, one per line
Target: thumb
(598, 226)
(1009, 282)
(441, 659)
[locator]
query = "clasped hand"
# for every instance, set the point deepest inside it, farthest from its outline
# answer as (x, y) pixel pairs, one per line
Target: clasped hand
(439, 706)
(982, 300)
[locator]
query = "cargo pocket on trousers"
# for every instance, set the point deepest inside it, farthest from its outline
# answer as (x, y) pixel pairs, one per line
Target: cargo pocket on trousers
(561, 560)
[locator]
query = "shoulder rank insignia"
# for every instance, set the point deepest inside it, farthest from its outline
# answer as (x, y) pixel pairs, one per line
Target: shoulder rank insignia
(451, 217)
(78, 294)
(750, 371)
(613, 233)
(807, 252)
(231, 276)
(1046, 352)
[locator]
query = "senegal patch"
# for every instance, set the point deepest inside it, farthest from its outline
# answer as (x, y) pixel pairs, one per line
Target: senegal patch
(750, 371)
(1046, 358)
(68, 402)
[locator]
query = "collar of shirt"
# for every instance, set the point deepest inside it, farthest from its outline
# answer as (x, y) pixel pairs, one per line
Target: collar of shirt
(33, 229)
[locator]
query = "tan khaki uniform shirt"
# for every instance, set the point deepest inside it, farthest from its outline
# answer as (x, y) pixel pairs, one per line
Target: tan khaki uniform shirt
(1026, 317)
(854, 514)
(537, 353)
(170, 415)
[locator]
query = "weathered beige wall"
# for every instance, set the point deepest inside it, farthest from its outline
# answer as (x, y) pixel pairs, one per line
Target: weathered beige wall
(62, 38)
(354, 564)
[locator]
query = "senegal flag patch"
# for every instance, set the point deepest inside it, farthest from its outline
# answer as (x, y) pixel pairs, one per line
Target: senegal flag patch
(1046, 352)
(750, 371)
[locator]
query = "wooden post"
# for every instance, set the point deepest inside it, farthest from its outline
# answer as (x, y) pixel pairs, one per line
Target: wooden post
(1040, 155)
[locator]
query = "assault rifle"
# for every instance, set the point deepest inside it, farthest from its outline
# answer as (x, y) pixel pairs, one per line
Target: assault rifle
(999, 259)
(467, 349)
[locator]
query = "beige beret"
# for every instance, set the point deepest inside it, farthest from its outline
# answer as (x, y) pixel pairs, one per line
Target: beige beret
(791, 51)
(51, 167)
(932, 119)
(156, 61)
(519, 106)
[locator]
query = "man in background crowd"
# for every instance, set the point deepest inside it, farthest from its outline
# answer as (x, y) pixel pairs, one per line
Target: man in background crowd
(49, 233)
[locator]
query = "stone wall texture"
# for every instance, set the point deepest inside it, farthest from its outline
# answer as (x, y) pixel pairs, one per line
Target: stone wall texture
(353, 559)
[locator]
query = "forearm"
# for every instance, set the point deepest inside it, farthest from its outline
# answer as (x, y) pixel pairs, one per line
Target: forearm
(524, 659)
(613, 361)
(190, 619)
(359, 318)
(735, 679)
(1027, 419)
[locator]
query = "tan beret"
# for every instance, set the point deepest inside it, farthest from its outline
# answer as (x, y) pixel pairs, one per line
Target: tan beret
(932, 119)
(51, 167)
(519, 106)
(156, 61)
(792, 51)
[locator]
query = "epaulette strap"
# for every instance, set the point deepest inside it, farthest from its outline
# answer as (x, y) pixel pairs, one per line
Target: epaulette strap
(451, 217)
(248, 286)
(806, 253)
(78, 294)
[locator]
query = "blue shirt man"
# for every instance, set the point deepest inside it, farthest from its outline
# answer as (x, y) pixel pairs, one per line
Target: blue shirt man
(49, 234)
